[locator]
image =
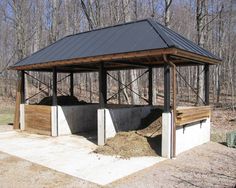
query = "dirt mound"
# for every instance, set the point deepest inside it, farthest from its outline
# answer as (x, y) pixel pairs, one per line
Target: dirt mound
(144, 142)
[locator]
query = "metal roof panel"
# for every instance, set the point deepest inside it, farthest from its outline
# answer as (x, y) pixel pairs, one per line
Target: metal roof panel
(129, 37)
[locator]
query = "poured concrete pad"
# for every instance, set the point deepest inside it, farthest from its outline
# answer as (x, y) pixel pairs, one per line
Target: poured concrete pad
(72, 155)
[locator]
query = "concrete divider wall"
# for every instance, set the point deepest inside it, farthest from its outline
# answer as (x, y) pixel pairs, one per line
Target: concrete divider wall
(77, 118)
(192, 135)
(125, 119)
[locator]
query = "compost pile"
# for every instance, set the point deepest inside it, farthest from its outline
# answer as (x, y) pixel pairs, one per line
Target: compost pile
(62, 101)
(143, 142)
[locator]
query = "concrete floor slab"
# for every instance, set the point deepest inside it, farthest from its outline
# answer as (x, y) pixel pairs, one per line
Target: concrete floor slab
(72, 155)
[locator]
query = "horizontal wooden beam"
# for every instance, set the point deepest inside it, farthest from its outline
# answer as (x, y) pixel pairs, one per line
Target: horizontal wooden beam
(126, 59)
(96, 59)
(196, 57)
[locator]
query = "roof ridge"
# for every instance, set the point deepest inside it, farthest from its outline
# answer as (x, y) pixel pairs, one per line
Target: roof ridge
(109, 26)
(195, 45)
(163, 36)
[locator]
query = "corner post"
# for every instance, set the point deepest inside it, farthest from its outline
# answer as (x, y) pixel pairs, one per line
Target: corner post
(54, 87)
(166, 88)
(102, 86)
(72, 84)
(101, 112)
(22, 100)
(150, 86)
(206, 83)
(22, 90)
(166, 116)
(54, 112)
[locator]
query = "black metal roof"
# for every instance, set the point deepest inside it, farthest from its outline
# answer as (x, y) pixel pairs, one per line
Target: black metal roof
(129, 37)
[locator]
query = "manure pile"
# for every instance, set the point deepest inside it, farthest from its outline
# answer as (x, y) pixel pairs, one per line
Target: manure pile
(143, 142)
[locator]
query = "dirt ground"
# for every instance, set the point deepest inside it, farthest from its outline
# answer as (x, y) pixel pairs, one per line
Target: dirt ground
(19, 173)
(223, 121)
(209, 165)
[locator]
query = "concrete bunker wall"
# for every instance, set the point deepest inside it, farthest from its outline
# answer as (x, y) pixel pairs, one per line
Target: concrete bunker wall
(191, 135)
(77, 118)
(187, 136)
(113, 120)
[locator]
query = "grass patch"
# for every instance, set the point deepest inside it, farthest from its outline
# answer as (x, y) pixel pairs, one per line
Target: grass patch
(6, 115)
(6, 119)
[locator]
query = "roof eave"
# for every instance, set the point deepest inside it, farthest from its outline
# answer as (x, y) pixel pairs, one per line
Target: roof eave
(95, 59)
(197, 57)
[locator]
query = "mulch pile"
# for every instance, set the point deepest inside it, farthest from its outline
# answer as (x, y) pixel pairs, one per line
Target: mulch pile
(143, 142)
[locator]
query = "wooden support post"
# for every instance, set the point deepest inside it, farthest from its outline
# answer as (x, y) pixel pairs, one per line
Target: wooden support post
(166, 88)
(102, 86)
(206, 83)
(16, 124)
(72, 84)
(54, 87)
(150, 86)
(22, 90)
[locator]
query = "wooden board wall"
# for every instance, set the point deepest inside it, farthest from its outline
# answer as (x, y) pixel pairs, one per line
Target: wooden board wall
(38, 119)
(186, 115)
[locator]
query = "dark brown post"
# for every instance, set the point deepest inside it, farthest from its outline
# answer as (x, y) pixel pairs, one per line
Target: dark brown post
(150, 89)
(72, 84)
(206, 81)
(22, 90)
(102, 85)
(54, 87)
(166, 88)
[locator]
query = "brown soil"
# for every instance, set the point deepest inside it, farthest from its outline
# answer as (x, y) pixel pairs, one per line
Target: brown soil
(223, 121)
(144, 142)
(208, 165)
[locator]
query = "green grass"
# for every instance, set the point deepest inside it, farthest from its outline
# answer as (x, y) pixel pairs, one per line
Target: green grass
(6, 119)
(6, 115)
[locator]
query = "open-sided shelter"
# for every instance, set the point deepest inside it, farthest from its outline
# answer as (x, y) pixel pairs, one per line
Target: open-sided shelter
(141, 44)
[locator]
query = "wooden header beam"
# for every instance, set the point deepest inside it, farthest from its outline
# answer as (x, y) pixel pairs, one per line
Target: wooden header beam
(120, 57)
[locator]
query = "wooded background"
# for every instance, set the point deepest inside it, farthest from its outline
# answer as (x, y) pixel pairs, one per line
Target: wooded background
(29, 25)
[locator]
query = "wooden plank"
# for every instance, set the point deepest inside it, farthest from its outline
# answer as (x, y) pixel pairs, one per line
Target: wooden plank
(187, 115)
(16, 124)
(38, 119)
(192, 113)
